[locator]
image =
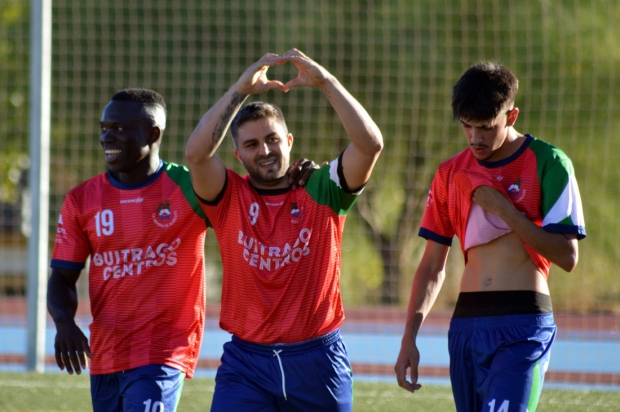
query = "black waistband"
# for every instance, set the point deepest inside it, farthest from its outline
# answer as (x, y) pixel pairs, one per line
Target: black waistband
(500, 303)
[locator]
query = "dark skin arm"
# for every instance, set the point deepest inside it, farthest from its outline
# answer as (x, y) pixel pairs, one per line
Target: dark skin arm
(71, 345)
(299, 172)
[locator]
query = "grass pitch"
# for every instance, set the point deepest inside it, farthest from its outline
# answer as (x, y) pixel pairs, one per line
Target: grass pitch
(55, 392)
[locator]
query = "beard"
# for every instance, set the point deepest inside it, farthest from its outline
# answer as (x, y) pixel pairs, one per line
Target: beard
(270, 177)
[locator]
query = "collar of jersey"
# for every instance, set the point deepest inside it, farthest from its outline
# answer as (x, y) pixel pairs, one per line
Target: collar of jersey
(271, 192)
(125, 186)
(504, 162)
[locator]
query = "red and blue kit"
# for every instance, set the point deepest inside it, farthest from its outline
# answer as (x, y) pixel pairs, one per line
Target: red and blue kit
(281, 253)
(539, 180)
(146, 270)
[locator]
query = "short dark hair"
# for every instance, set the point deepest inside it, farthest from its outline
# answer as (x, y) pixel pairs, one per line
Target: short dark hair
(150, 99)
(485, 90)
(255, 111)
(140, 96)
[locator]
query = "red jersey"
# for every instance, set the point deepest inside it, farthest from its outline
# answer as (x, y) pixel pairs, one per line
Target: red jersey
(281, 253)
(538, 180)
(146, 271)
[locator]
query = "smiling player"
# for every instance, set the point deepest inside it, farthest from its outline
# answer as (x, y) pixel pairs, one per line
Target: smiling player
(144, 232)
(280, 247)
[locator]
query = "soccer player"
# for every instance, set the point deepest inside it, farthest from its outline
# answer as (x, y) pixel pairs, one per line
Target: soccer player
(280, 248)
(144, 230)
(513, 202)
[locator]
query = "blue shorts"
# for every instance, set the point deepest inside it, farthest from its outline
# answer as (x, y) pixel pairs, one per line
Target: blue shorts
(498, 363)
(313, 375)
(151, 388)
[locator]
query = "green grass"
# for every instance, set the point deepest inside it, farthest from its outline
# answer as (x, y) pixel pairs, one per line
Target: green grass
(29, 392)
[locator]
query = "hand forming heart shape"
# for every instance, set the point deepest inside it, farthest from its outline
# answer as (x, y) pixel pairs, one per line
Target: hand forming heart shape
(309, 73)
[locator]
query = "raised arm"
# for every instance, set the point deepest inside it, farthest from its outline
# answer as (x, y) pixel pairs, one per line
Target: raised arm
(366, 140)
(207, 170)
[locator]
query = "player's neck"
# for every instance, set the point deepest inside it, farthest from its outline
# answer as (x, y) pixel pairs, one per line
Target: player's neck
(142, 171)
(511, 145)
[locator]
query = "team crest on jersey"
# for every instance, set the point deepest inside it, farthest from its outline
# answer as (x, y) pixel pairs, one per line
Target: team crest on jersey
(514, 190)
(296, 213)
(164, 217)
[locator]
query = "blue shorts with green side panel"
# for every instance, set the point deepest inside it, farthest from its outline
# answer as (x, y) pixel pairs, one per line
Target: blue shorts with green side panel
(498, 363)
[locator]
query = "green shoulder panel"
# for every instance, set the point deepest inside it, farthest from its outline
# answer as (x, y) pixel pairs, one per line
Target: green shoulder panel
(554, 170)
(180, 175)
(324, 188)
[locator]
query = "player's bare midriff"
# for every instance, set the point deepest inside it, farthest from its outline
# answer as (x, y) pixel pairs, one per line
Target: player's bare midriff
(502, 264)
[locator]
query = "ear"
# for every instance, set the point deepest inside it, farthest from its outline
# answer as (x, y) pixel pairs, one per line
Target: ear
(289, 139)
(155, 135)
(512, 117)
(236, 152)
